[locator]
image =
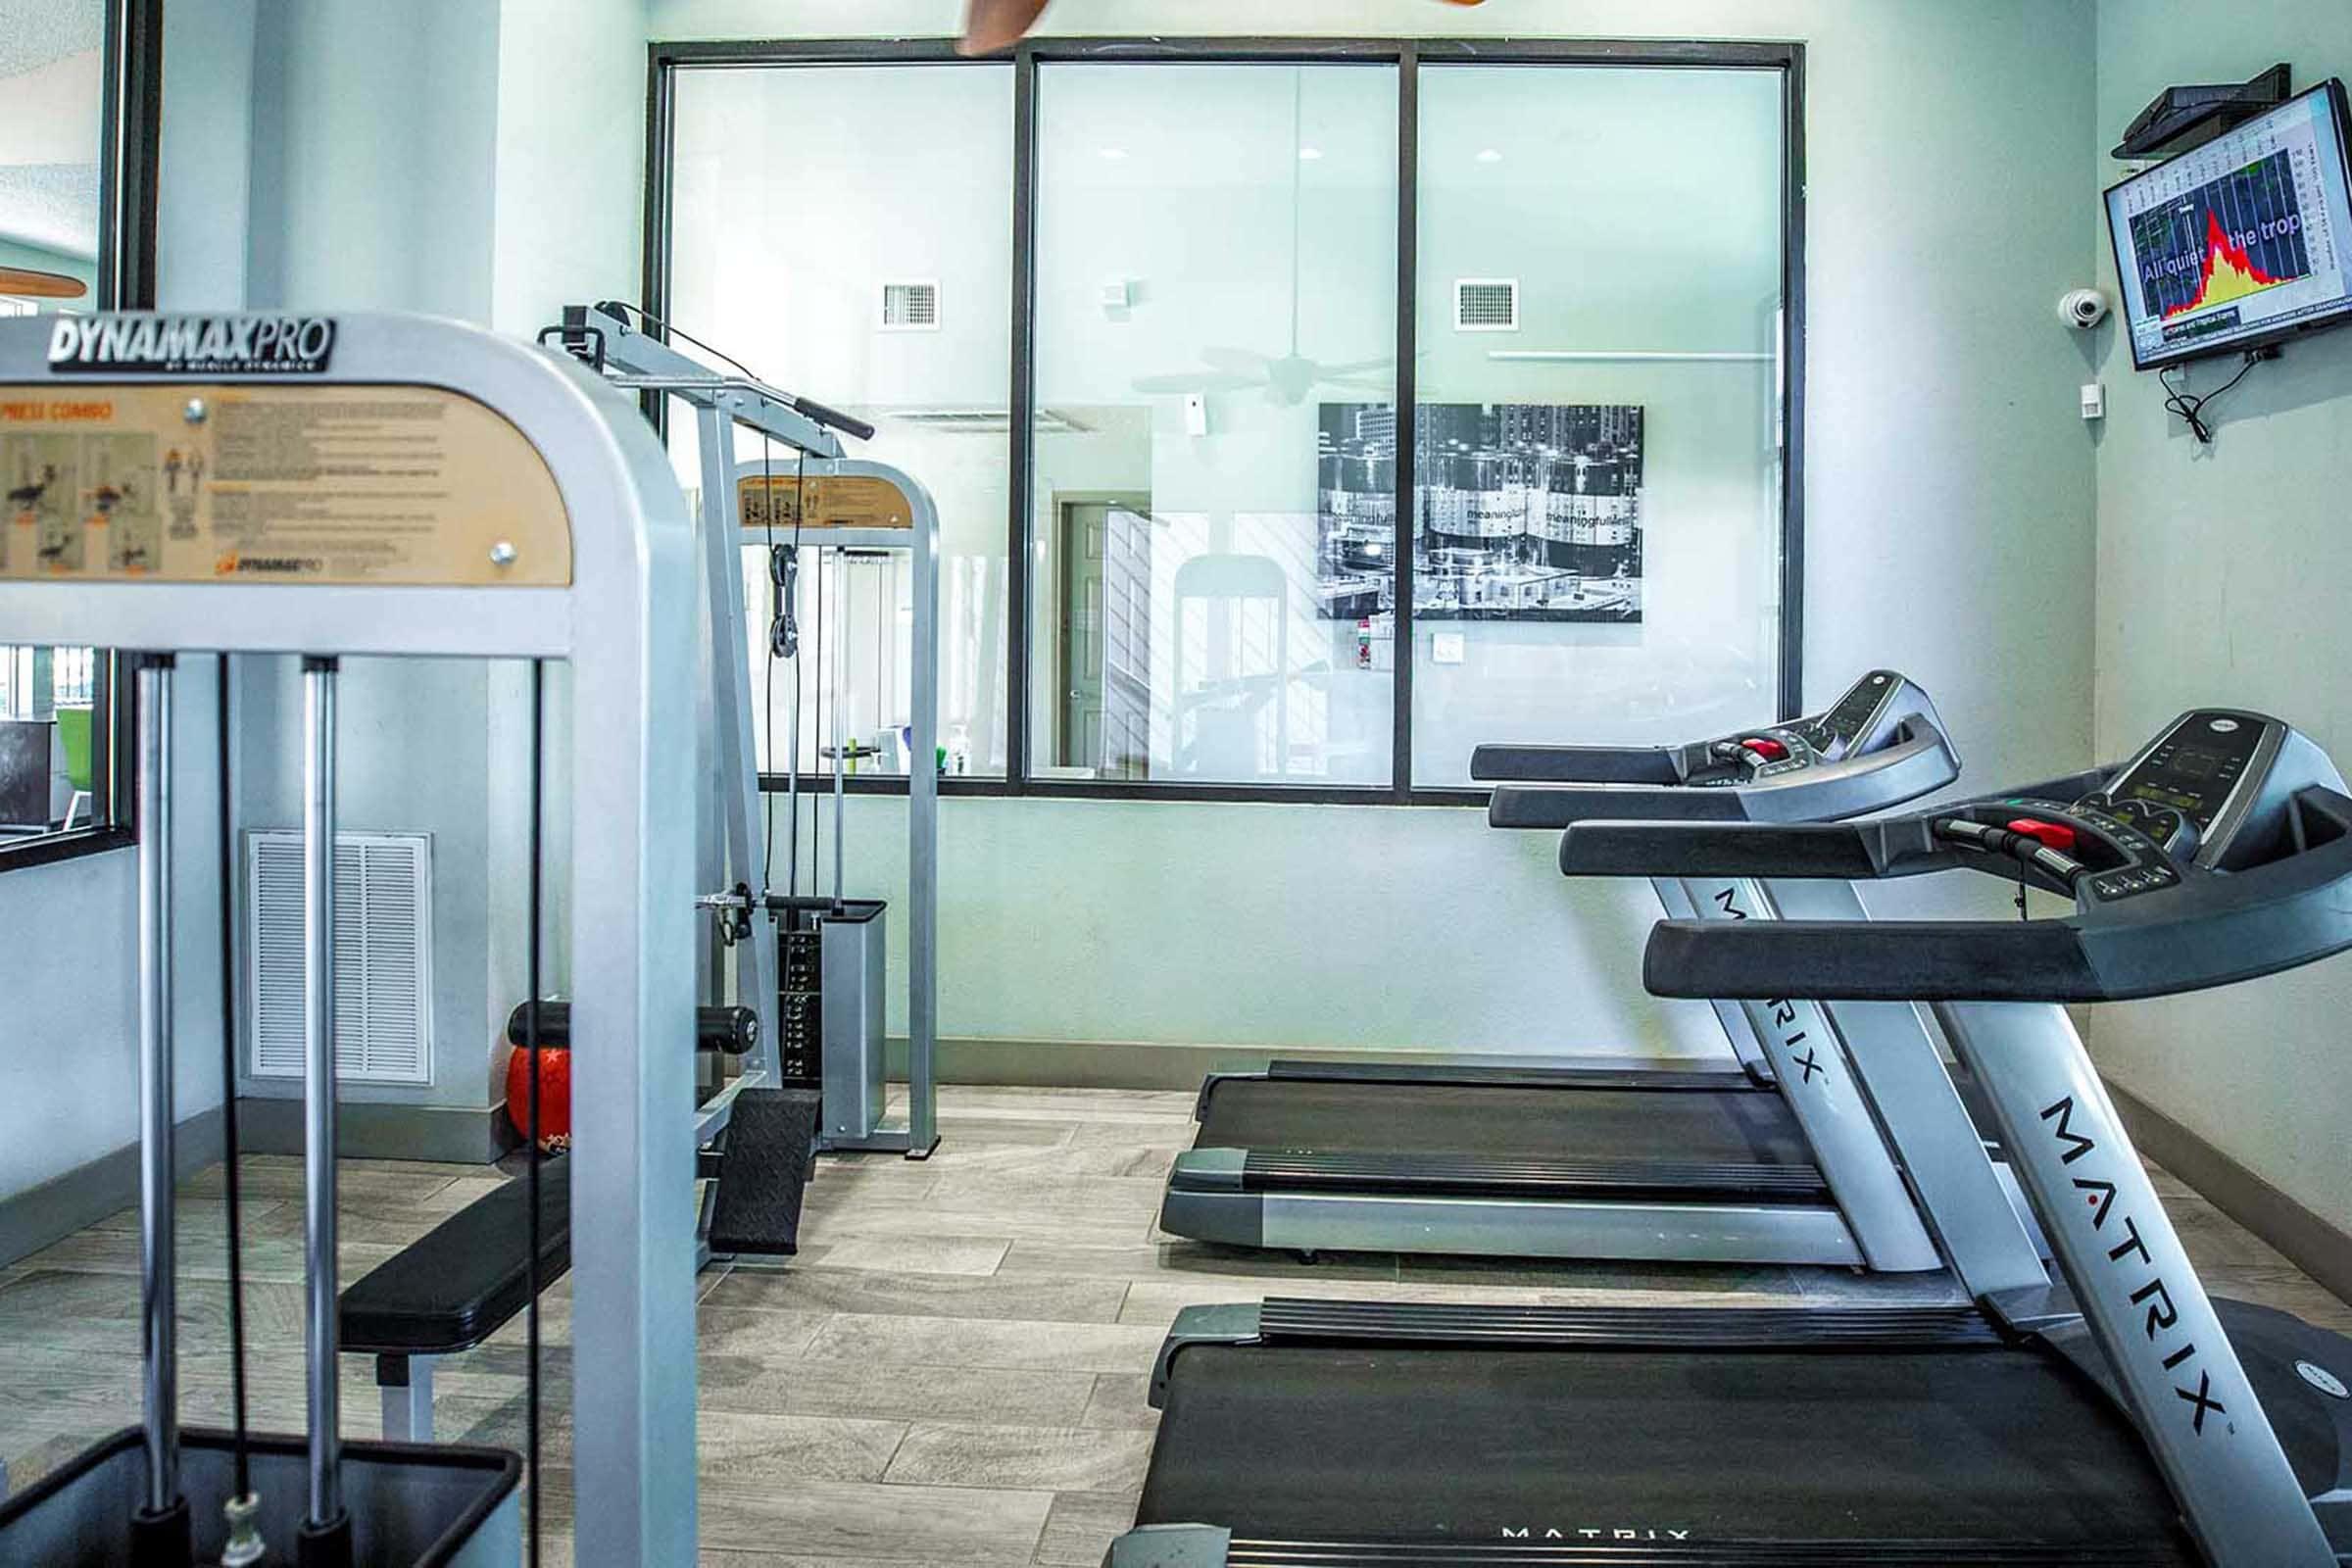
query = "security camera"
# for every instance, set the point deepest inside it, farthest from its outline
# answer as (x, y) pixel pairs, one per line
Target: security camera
(2082, 307)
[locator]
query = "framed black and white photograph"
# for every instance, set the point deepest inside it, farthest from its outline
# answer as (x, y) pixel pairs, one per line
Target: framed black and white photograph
(1523, 512)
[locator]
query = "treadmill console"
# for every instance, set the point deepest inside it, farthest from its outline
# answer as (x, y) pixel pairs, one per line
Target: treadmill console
(1852, 723)
(1879, 745)
(2220, 852)
(1856, 713)
(2193, 771)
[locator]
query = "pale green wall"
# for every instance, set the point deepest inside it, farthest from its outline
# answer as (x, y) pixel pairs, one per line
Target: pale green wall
(2223, 575)
(1949, 498)
(1949, 518)
(472, 168)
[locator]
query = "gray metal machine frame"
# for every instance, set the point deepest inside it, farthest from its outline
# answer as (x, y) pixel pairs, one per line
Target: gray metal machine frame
(632, 926)
(731, 851)
(841, 1130)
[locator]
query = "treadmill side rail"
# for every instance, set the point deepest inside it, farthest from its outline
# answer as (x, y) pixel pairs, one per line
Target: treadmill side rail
(1170, 1547)
(1208, 1090)
(1651, 1229)
(1221, 1323)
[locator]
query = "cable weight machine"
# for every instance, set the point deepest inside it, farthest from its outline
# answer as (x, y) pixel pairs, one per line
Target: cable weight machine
(809, 963)
(529, 516)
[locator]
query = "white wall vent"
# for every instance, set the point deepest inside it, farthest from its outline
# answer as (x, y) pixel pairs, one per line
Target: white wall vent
(383, 956)
(910, 306)
(1485, 305)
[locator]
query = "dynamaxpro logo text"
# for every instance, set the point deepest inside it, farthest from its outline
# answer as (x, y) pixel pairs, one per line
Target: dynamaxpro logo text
(2130, 1252)
(236, 565)
(185, 345)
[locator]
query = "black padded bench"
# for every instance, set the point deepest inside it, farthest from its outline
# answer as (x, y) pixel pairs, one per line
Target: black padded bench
(452, 1288)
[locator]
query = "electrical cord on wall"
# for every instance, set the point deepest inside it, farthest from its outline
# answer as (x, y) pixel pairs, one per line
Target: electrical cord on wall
(2191, 408)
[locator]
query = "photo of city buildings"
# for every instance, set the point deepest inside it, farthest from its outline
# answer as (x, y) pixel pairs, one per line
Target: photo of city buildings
(1522, 511)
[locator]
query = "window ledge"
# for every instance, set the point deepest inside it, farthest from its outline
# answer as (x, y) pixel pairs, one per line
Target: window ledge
(50, 848)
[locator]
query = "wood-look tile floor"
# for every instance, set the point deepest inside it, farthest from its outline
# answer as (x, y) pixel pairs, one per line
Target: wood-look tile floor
(953, 1370)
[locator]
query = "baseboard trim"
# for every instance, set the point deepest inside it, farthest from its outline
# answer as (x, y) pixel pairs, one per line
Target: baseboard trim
(1154, 1064)
(88, 1192)
(2318, 1248)
(463, 1135)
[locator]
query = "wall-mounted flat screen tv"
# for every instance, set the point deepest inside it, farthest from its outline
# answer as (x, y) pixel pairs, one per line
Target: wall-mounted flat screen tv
(2243, 242)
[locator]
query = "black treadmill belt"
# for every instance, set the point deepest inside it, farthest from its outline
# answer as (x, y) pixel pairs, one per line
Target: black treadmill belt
(1620, 1126)
(1352, 1444)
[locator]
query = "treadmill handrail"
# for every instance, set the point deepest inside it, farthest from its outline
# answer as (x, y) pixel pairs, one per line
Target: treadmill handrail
(1662, 848)
(1920, 763)
(1577, 764)
(2212, 929)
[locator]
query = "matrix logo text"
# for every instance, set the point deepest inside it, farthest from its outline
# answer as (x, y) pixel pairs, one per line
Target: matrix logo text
(2130, 1253)
(1592, 1533)
(184, 345)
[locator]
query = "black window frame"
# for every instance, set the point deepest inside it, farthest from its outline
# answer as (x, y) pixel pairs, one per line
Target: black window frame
(1405, 55)
(130, 153)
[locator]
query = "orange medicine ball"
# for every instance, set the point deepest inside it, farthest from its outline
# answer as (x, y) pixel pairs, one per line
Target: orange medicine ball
(554, 1095)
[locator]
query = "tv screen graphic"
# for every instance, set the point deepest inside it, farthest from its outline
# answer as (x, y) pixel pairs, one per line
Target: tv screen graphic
(2241, 242)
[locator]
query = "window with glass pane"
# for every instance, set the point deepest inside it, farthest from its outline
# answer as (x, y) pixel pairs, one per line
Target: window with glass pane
(1215, 325)
(1598, 455)
(54, 726)
(53, 743)
(842, 230)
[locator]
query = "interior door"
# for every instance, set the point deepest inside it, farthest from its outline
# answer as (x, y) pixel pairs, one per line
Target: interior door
(1105, 667)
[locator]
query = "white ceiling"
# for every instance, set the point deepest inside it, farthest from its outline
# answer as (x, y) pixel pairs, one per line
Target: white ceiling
(50, 107)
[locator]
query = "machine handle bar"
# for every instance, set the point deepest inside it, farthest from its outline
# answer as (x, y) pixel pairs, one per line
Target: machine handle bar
(2210, 929)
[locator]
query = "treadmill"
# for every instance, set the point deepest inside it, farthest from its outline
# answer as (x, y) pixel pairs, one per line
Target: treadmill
(2117, 1415)
(1775, 1160)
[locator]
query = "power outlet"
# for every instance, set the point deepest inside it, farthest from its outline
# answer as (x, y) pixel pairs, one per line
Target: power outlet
(1445, 647)
(2094, 400)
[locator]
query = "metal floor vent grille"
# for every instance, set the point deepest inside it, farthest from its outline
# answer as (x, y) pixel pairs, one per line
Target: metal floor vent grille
(383, 956)
(1485, 305)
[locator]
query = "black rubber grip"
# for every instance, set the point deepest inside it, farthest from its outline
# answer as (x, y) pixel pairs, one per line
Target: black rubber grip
(1558, 805)
(847, 424)
(731, 1030)
(1882, 961)
(1574, 765)
(1729, 848)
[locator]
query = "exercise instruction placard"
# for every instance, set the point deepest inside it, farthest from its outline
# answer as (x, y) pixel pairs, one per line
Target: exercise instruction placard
(246, 483)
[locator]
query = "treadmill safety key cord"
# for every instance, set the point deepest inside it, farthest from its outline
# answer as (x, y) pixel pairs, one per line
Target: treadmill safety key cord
(2028, 840)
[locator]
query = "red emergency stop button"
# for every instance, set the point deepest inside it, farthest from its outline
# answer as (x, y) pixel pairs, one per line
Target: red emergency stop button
(2056, 835)
(1766, 747)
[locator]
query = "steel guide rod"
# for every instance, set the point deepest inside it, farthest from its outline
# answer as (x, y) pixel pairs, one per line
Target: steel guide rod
(158, 1322)
(841, 638)
(318, 678)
